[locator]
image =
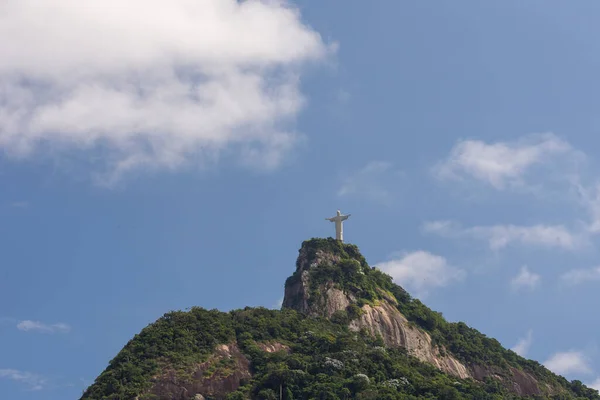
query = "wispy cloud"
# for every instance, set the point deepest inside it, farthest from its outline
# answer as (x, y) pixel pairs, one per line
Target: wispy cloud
(181, 82)
(278, 304)
(568, 362)
(372, 182)
(36, 326)
(501, 164)
(540, 163)
(19, 204)
(579, 276)
(589, 198)
(525, 279)
(595, 384)
(523, 345)
(500, 236)
(31, 380)
(421, 271)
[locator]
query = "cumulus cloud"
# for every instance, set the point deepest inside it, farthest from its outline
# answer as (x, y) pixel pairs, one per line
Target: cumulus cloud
(33, 381)
(153, 83)
(500, 236)
(568, 362)
(372, 182)
(421, 271)
(500, 164)
(579, 276)
(36, 326)
(525, 279)
(523, 345)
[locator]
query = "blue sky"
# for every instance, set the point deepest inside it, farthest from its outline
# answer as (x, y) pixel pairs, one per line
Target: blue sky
(163, 155)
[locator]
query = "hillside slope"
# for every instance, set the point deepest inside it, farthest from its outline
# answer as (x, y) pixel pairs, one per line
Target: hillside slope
(344, 331)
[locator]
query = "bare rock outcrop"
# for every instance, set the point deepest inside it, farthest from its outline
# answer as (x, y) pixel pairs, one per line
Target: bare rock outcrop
(273, 347)
(524, 384)
(221, 374)
(382, 317)
(297, 294)
(395, 330)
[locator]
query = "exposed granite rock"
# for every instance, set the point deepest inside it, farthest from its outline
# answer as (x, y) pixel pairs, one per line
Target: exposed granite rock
(305, 261)
(297, 294)
(201, 381)
(385, 319)
(520, 382)
(273, 347)
(524, 384)
(345, 290)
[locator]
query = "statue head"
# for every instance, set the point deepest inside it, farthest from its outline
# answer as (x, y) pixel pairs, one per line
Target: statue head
(338, 212)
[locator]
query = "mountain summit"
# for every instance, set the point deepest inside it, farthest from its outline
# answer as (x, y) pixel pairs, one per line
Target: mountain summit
(345, 331)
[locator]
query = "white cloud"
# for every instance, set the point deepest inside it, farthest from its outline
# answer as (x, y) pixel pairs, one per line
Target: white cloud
(421, 271)
(442, 227)
(33, 381)
(37, 326)
(500, 164)
(500, 236)
(579, 276)
(372, 182)
(523, 345)
(542, 164)
(153, 83)
(278, 304)
(590, 200)
(525, 279)
(568, 362)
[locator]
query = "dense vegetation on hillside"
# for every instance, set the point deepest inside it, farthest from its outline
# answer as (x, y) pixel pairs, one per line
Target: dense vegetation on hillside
(353, 274)
(325, 359)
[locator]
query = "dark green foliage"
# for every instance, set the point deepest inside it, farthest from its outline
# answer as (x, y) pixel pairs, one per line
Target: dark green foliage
(353, 311)
(177, 338)
(326, 360)
(351, 273)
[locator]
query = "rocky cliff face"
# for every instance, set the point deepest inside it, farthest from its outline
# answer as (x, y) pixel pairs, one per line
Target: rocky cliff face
(344, 339)
(385, 320)
(297, 291)
(382, 317)
(221, 374)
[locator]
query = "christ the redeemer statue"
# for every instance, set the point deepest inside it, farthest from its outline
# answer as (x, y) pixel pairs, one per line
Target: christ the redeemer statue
(339, 229)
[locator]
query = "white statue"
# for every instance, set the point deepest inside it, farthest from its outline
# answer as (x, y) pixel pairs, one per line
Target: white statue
(339, 229)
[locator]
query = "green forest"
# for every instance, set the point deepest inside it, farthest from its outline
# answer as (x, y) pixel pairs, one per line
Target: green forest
(324, 358)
